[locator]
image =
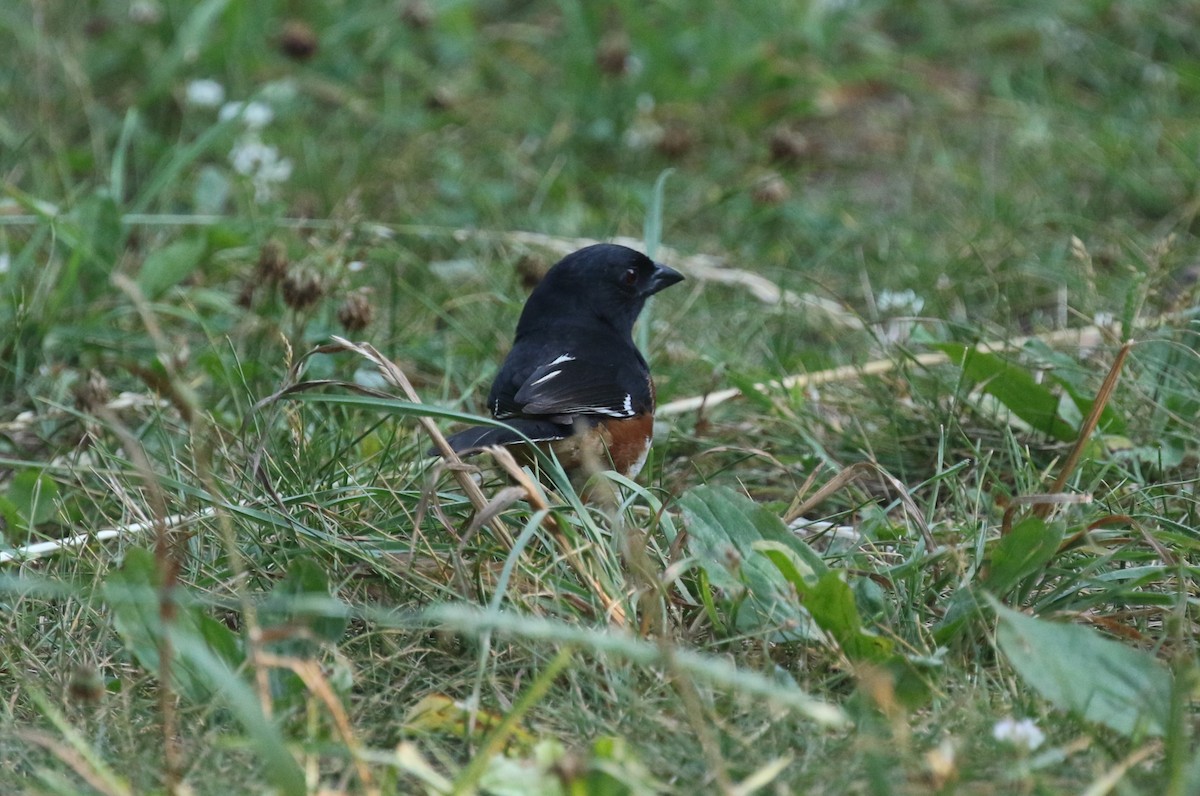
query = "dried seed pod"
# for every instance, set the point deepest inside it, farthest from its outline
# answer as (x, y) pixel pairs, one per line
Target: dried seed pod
(531, 268)
(417, 14)
(272, 261)
(302, 288)
(677, 140)
(788, 145)
(91, 392)
(612, 54)
(245, 297)
(86, 683)
(356, 311)
(771, 190)
(441, 98)
(298, 40)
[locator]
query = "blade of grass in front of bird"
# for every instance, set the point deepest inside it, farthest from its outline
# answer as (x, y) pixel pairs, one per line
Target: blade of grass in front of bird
(652, 235)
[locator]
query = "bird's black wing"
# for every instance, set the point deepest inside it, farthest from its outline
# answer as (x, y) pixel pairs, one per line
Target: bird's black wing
(578, 387)
(545, 381)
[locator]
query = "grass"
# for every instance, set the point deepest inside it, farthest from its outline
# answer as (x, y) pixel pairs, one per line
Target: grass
(299, 599)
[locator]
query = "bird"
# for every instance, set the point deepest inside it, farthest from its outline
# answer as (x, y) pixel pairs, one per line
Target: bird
(574, 380)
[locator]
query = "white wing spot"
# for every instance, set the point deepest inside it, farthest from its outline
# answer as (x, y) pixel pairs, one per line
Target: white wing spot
(561, 359)
(626, 409)
(547, 377)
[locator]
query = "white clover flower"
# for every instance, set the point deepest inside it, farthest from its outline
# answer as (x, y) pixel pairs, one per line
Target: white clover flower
(255, 115)
(898, 306)
(230, 110)
(642, 134)
(204, 93)
(1021, 733)
(260, 162)
(901, 302)
(275, 168)
(249, 154)
(145, 12)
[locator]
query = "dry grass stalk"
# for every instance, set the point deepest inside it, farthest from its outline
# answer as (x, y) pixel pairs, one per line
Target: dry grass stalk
(533, 494)
(316, 683)
(395, 377)
(1087, 337)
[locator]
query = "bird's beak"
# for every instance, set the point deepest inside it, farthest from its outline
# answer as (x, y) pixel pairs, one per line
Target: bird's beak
(662, 277)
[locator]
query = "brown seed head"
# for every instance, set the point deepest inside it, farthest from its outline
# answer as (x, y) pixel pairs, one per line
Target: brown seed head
(86, 684)
(91, 392)
(442, 98)
(356, 312)
(272, 261)
(788, 145)
(612, 54)
(771, 190)
(298, 40)
(531, 268)
(417, 14)
(245, 297)
(677, 140)
(302, 288)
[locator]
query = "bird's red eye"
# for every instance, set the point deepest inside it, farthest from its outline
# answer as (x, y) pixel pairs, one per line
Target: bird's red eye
(629, 278)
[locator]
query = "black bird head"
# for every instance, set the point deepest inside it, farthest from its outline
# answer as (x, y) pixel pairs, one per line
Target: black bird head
(604, 282)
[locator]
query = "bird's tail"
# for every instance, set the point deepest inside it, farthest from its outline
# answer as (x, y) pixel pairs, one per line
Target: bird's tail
(476, 438)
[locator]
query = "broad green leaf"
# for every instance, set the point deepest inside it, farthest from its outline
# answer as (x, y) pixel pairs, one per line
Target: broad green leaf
(746, 522)
(166, 267)
(1080, 671)
(301, 602)
(616, 769)
(13, 521)
(1078, 380)
(32, 495)
(305, 578)
(263, 735)
(961, 606)
(132, 593)
(1012, 386)
(1110, 421)
(830, 601)
(1025, 550)
(726, 533)
(832, 604)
